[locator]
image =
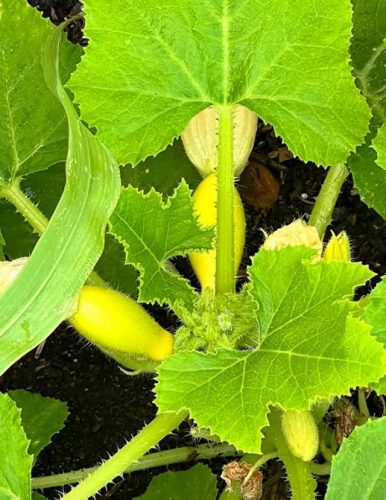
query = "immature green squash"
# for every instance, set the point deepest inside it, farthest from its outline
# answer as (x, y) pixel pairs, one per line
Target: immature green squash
(301, 433)
(205, 200)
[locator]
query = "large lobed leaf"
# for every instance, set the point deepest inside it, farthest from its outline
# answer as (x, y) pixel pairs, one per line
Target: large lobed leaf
(15, 463)
(151, 66)
(34, 131)
(43, 295)
(311, 349)
(359, 469)
(151, 232)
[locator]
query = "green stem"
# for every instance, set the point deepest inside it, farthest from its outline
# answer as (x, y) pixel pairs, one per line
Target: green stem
(37, 220)
(14, 194)
(321, 215)
(261, 461)
(225, 274)
(148, 437)
(299, 473)
(321, 469)
(158, 459)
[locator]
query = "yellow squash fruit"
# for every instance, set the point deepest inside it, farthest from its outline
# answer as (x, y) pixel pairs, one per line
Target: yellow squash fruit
(295, 234)
(115, 322)
(338, 248)
(301, 433)
(205, 202)
(109, 319)
(201, 139)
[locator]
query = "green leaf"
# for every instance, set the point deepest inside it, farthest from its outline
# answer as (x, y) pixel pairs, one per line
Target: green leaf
(368, 52)
(34, 128)
(41, 417)
(164, 172)
(369, 178)
(176, 58)
(197, 483)
(152, 232)
(43, 295)
(15, 463)
(359, 469)
(2, 243)
(375, 315)
(45, 191)
(380, 146)
(309, 350)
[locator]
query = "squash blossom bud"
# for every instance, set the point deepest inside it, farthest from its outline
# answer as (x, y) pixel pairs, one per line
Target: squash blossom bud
(205, 199)
(301, 433)
(338, 248)
(295, 234)
(201, 139)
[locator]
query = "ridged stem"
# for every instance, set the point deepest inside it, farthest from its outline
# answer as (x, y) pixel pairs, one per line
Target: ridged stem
(299, 473)
(225, 275)
(158, 459)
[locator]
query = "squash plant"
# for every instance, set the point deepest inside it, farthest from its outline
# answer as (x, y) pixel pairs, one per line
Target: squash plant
(255, 367)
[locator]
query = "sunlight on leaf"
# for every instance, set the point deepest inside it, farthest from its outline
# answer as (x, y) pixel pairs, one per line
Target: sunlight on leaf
(311, 349)
(173, 59)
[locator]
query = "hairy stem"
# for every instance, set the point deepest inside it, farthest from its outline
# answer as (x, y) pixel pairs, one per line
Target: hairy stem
(299, 473)
(158, 459)
(148, 437)
(31, 213)
(321, 469)
(36, 219)
(225, 275)
(321, 215)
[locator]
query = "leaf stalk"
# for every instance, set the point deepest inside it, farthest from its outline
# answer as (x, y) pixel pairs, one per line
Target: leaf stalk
(322, 212)
(225, 275)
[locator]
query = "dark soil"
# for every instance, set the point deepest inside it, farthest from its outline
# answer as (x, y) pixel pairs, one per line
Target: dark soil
(108, 407)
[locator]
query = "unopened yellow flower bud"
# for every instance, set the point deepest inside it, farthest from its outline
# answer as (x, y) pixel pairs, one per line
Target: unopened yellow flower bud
(298, 233)
(338, 248)
(201, 139)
